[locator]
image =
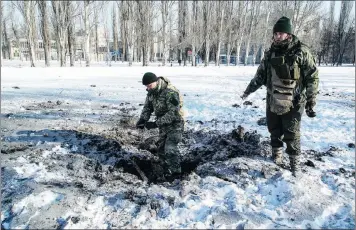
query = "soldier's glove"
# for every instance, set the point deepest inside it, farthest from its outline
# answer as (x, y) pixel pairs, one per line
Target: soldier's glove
(140, 124)
(151, 125)
(244, 96)
(309, 107)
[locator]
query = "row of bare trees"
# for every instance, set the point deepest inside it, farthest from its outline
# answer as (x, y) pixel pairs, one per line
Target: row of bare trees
(199, 29)
(337, 38)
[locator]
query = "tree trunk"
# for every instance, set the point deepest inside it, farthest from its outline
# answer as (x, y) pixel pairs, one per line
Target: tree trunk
(206, 18)
(71, 44)
(87, 33)
(96, 38)
(34, 29)
(71, 36)
(2, 13)
(27, 11)
(240, 29)
(182, 11)
(130, 32)
(145, 28)
(164, 11)
(45, 31)
(238, 50)
(229, 10)
(115, 32)
(249, 33)
(264, 37)
(7, 41)
(220, 24)
(296, 14)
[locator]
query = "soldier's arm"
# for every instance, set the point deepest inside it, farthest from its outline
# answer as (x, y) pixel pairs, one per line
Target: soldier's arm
(258, 80)
(147, 110)
(172, 101)
(311, 74)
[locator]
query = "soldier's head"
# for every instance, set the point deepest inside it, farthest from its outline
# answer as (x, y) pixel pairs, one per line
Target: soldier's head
(149, 80)
(282, 30)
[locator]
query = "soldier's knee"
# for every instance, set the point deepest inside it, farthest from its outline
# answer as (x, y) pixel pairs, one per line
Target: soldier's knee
(291, 136)
(293, 147)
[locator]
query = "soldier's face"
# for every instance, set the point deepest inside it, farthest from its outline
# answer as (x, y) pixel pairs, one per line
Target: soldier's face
(280, 36)
(151, 86)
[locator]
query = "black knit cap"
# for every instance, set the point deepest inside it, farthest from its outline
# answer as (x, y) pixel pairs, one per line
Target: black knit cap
(283, 25)
(148, 78)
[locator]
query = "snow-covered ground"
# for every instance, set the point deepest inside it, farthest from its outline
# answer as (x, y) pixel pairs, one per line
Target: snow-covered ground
(322, 198)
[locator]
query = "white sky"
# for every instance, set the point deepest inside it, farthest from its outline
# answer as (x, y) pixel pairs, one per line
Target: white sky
(337, 8)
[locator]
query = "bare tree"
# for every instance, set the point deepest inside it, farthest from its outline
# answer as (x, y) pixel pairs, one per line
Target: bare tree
(2, 13)
(115, 32)
(344, 30)
(195, 34)
(42, 5)
(240, 27)
(128, 25)
(17, 34)
(71, 32)
(26, 9)
(207, 13)
(165, 6)
(256, 37)
(267, 12)
(182, 12)
(253, 10)
(86, 32)
(329, 29)
(144, 12)
(7, 42)
(107, 40)
(90, 10)
(60, 19)
(229, 13)
(123, 31)
(220, 19)
(33, 18)
(307, 14)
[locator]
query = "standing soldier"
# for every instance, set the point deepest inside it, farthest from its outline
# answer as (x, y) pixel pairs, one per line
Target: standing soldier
(165, 101)
(289, 72)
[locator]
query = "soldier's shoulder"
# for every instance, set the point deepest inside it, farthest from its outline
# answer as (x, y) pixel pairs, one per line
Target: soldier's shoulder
(304, 47)
(171, 88)
(307, 52)
(171, 91)
(267, 51)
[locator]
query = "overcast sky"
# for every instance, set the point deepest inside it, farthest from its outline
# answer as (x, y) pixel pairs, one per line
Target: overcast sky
(337, 8)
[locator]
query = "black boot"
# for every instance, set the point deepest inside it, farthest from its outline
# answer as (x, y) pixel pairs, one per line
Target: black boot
(277, 155)
(294, 165)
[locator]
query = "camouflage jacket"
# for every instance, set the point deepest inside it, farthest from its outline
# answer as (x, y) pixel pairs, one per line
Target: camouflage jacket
(299, 53)
(166, 103)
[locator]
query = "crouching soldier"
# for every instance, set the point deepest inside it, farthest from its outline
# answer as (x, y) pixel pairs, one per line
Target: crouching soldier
(289, 72)
(166, 102)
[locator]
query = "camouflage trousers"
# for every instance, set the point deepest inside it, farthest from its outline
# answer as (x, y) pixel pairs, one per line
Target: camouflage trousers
(286, 128)
(168, 153)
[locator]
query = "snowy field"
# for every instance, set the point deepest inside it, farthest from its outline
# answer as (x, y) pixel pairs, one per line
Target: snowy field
(42, 103)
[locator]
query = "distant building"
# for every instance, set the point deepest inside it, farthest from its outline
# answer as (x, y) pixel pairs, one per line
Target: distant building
(99, 53)
(22, 50)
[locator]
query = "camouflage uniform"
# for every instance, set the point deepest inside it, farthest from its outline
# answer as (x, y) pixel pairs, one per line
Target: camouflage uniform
(283, 119)
(166, 103)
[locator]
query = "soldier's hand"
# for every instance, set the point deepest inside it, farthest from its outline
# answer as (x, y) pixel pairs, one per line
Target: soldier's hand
(309, 107)
(140, 124)
(244, 96)
(310, 104)
(151, 125)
